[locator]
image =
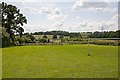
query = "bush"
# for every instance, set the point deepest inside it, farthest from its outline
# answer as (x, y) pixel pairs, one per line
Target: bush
(43, 40)
(30, 37)
(21, 40)
(54, 36)
(62, 40)
(6, 42)
(45, 36)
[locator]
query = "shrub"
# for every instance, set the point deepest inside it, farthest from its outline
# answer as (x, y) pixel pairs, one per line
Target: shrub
(45, 36)
(21, 40)
(43, 40)
(31, 37)
(6, 42)
(54, 36)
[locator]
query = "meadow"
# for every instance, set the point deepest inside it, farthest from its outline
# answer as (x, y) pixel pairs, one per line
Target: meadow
(60, 61)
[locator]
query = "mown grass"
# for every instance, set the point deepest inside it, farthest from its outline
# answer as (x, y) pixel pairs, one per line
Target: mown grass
(62, 61)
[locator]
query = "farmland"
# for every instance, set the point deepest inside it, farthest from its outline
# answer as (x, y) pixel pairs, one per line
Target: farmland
(60, 61)
(49, 36)
(59, 39)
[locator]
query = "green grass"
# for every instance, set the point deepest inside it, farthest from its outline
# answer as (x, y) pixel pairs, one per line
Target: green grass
(65, 61)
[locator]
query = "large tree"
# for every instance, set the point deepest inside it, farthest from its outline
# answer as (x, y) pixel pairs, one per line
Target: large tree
(12, 19)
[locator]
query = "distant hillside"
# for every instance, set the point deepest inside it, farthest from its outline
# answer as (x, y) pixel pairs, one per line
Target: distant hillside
(64, 33)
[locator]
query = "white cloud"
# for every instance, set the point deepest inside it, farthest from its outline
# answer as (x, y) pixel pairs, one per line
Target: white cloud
(51, 13)
(41, 10)
(96, 25)
(31, 10)
(74, 27)
(46, 10)
(93, 6)
(83, 24)
(56, 14)
(59, 23)
(57, 17)
(24, 1)
(78, 17)
(115, 17)
(85, 4)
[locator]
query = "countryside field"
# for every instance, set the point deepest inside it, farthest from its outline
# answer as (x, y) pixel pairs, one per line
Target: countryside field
(49, 36)
(60, 61)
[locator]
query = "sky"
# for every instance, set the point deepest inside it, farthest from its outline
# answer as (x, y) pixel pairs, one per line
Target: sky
(71, 15)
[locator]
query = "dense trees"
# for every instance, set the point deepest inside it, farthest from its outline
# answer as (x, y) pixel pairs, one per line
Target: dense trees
(61, 33)
(12, 20)
(106, 34)
(75, 35)
(65, 33)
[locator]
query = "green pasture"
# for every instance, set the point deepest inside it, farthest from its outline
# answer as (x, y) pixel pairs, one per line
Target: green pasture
(60, 61)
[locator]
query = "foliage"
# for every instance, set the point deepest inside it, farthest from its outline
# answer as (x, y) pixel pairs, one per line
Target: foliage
(75, 35)
(21, 40)
(54, 36)
(30, 36)
(45, 36)
(61, 36)
(106, 34)
(65, 33)
(12, 20)
(43, 40)
(6, 42)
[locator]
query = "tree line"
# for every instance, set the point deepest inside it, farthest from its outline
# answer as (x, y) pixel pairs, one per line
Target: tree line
(61, 33)
(105, 34)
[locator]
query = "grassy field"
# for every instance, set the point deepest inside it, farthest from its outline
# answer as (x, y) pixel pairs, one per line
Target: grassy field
(65, 61)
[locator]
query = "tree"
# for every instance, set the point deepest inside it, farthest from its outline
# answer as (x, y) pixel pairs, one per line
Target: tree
(12, 19)
(31, 37)
(48, 41)
(20, 30)
(54, 36)
(75, 35)
(61, 36)
(43, 40)
(45, 36)
(118, 33)
(6, 42)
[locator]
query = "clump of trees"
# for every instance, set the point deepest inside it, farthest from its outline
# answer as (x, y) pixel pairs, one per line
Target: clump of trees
(75, 35)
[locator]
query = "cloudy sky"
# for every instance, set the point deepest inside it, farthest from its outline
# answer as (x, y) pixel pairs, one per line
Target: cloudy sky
(72, 15)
